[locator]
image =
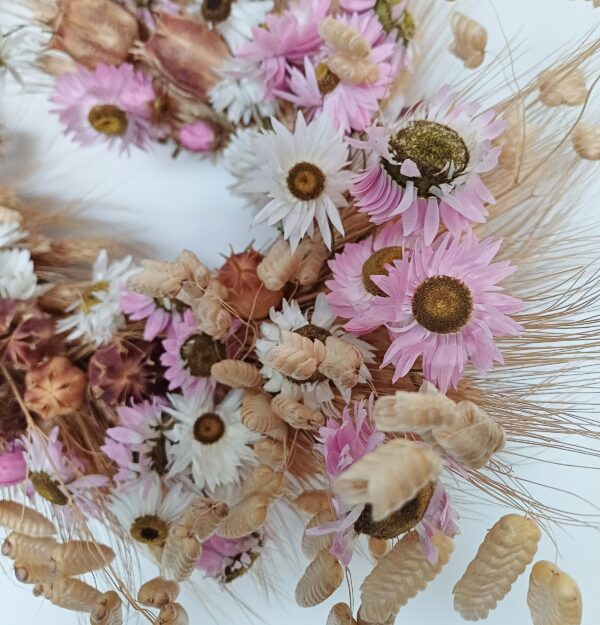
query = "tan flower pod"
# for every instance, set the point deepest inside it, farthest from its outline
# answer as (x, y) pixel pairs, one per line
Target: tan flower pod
(361, 621)
(508, 547)
(236, 374)
(379, 547)
(296, 414)
(314, 254)
(23, 548)
(271, 453)
(470, 40)
(210, 314)
(312, 545)
(159, 279)
(173, 614)
(400, 575)
(340, 614)
(344, 39)
(72, 594)
(554, 597)
(516, 141)
(389, 476)
(158, 592)
(563, 87)
(33, 572)
(313, 501)
(342, 362)
(24, 520)
(263, 479)
(78, 557)
(245, 517)
(181, 554)
(321, 579)
(296, 356)
(258, 416)
(198, 273)
(278, 266)
(203, 516)
(107, 611)
(586, 141)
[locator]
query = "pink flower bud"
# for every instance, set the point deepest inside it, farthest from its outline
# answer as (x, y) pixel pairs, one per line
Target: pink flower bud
(13, 469)
(198, 137)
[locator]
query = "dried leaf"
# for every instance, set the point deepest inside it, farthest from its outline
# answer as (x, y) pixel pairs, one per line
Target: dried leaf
(158, 592)
(342, 362)
(470, 40)
(313, 501)
(237, 374)
(312, 545)
(24, 520)
(508, 547)
(279, 266)
(258, 416)
(245, 517)
(554, 597)
(340, 614)
(563, 87)
(78, 556)
(320, 580)
(296, 414)
(296, 356)
(108, 610)
(28, 548)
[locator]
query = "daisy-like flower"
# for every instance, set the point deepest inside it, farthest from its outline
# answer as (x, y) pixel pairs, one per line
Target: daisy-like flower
(210, 439)
(139, 444)
(17, 275)
(226, 559)
(58, 479)
(189, 354)
(351, 286)
(107, 104)
(97, 315)
(445, 305)
(426, 167)
(303, 176)
(321, 324)
(11, 233)
(348, 92)
(148, 511)
(156, 312)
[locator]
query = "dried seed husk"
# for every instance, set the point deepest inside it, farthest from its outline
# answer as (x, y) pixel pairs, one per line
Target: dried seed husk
(408, 468)
(314, 254)
(71, 594)
(312, 545)
(159, 279)
(340, 614)
(361, 621)
(313, 501)
(553, 597)
(321, 579)
(28, 548)
(586, 141)
(203, 516)
(263, 479)
(107, 611)
(158, 592)
(245, 517)
(278, 266)
(470, 40)
(24, 520)
(173, 614)
(563, 87)
(379, 547)
(508, 547)
(181, 554)
(296, 414)
(212, 317)
(237, 374)
(271, 453)
(198, 272)
(78, 557)
(258, 416)
(400, 575)
(342, 362)
(33, 572)
(295, 356)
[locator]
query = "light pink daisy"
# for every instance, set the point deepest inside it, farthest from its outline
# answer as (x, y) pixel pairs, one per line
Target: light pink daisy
(13, 468)
(226, 559)
(156, 313)
(352, 290)
(189, 355)
(444, 304)
(106, 104)
(428, 168)
(348, 97)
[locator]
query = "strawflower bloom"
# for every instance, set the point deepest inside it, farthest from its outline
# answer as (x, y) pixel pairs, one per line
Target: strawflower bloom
(17, 275)
(155, 312)
(226, 559)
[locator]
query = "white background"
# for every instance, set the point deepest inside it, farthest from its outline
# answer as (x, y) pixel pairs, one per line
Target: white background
(179, 203)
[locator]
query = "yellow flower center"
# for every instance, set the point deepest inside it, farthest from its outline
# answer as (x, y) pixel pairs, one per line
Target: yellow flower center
(150, 530)
(306, 181)
(442, 304)
(209, 428)
(89, 298)
(375, 266)
(327, 81)
(108, 119)
(48, 488)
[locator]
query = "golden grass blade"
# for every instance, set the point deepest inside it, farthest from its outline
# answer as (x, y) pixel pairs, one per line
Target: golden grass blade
(554, 597)
(320, 580)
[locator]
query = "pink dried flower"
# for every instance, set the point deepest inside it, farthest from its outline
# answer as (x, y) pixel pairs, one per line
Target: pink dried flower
(157, 313)
(13, 468)
(197, 137)
(444, 304)
(225, 559)
(107, 104)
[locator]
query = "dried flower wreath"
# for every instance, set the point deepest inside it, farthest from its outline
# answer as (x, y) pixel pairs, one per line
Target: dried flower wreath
(419, 317)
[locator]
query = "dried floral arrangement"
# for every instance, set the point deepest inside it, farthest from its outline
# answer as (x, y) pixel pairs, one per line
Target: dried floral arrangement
(419, 318)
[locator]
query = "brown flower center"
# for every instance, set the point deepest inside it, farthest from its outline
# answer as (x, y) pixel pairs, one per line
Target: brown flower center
(375, 266)
(327, 81)
(209, 428)
(89, 298)
(108, 119)
(216, 10)
(200, 352)
(150, 530)
(438, 151)
(442, 304)
(48, 488)
(306, 181)
(398, 522)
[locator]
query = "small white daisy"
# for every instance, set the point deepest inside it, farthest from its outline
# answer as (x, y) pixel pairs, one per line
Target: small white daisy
(11, 233)
(17, 275)
(98, 315)
(147, 511)
(211, 439)
(321, 324)
(18, 50)
(304, 176)
(239, 158)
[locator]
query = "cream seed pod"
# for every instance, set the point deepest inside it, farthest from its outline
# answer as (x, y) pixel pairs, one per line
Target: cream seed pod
(258, 416)
(296, 414)
(314, 255)
(379, 547)
(586, 141)
(107, 611)
(173, 614)
(508, 547)
(78, 557)
(313, 501)
(181, 554)
(271, 453)
(263, 479)
(71, 594)
(311, 545)
(28, 548)
(245, 517)
(236, 374)
(209, 312)
(198, 272)
(516, 141)
(408, 468)
(33, 573)
(24, 520)
(278, 266)
(563, 87)
(470, 40)
(342, 362)
(203, 516)
(296, 356)
(361, 621)
(400, 575)
(158, 592)
(321, 579)
(159, 279)
(554, 597)
(340, 614)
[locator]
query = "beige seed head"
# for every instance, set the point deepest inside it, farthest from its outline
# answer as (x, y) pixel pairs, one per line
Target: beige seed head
(340, 614)
(202, 517)
(28, 548)
(361, 621)
(470, 40)
(237, 374)
(554, 597)
(245, 517)
(173, 614)
(344, 39)
(210, 314)
(508, 547)
(33, 573)
(278, 266)
(408, 468)
(198, 273)
(295, 356)
(72, 594)
(586, 141)
(263, 479)
(181, 554)
(563, 87)
(311, 545)
(107, 611)
(271, 453)
(158, 592)
(314, 254)
(321, 579)
(78, 557)
(258, 416)
(24, 520)
(313, 501)
(296, 414)
(379, 547)
(342, 362)
(399, 576)
(159, 279)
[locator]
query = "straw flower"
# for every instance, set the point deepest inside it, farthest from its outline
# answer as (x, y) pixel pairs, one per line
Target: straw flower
(17, 275)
